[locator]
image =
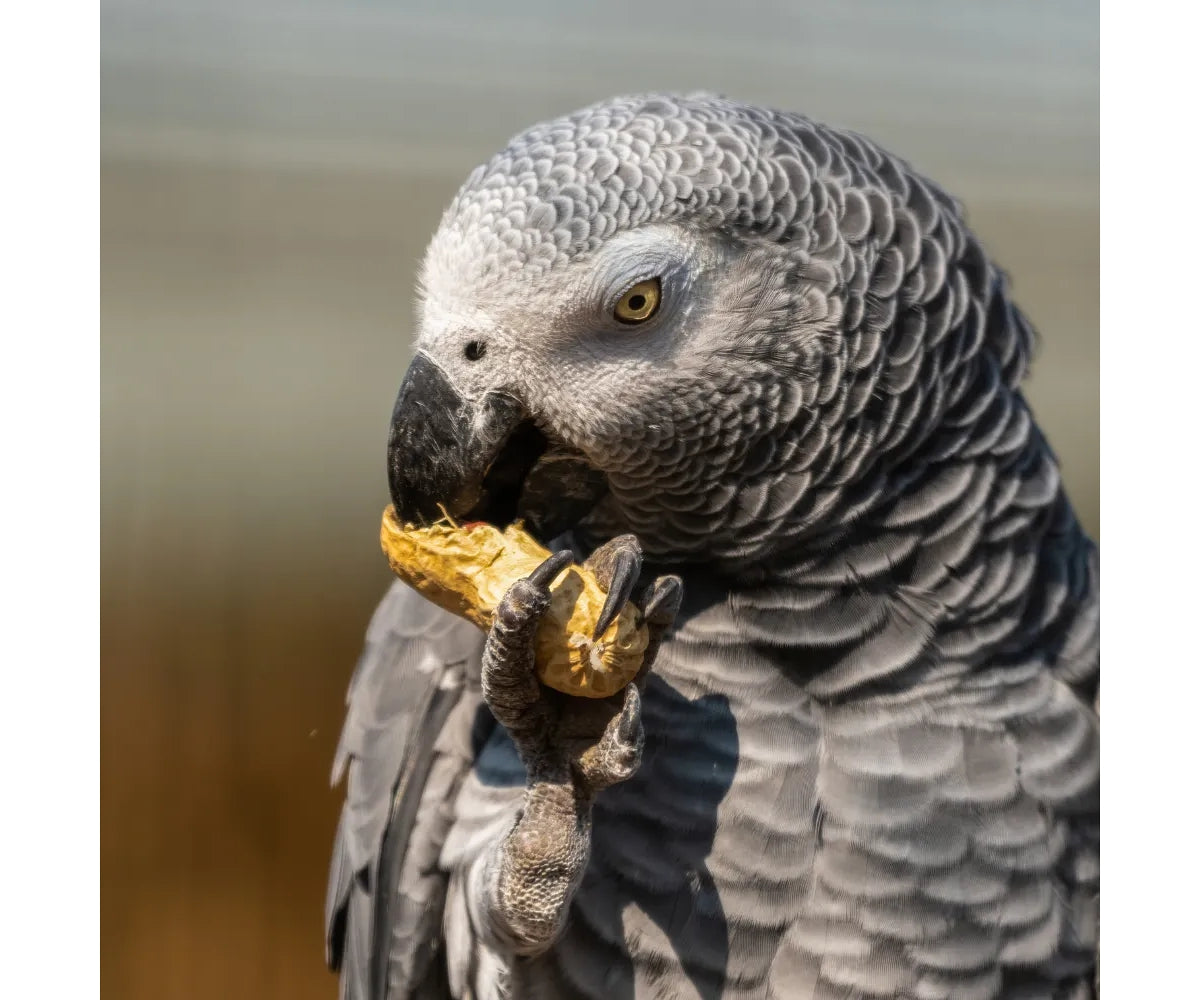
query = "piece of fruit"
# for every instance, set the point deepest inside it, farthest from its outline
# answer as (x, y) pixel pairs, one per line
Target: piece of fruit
(467, 570)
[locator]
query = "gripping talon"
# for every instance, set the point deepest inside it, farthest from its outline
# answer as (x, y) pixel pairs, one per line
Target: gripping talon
(663, 601)
(544, 575)
(627, 725)
(626, 567)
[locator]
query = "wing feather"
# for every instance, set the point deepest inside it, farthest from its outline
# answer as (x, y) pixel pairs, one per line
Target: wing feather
(404, 748)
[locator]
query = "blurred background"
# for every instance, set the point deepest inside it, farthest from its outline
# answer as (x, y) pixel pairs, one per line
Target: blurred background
(270, 173)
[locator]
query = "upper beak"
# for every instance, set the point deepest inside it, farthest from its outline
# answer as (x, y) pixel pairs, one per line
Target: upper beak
(441, 445)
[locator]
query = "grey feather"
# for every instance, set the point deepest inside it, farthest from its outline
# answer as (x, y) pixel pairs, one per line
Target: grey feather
(404, 749)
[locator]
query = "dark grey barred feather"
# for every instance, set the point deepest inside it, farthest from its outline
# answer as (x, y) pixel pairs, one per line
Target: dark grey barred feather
(871, 762)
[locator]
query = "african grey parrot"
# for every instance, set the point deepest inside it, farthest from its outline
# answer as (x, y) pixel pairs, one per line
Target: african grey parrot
(763, 378)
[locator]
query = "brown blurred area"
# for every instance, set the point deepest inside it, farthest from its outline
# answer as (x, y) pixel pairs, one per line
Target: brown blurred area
(270, 174)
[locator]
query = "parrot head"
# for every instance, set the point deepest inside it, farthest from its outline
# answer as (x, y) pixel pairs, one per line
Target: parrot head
(714, 326)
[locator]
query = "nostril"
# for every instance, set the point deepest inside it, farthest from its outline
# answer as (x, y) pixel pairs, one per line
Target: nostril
(475, 350)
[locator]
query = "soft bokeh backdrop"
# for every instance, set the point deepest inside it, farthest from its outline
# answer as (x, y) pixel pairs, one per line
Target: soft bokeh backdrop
(270, 173)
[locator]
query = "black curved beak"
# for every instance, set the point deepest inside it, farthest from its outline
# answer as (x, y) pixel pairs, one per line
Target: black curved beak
(482, 460)
(441, 446)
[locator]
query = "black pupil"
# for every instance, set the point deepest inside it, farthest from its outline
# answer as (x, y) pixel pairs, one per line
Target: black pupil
(636, 302)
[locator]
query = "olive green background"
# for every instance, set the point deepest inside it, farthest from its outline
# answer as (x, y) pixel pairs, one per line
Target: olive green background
(270, 173)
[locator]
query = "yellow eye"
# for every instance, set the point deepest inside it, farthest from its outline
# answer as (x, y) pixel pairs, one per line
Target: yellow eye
(639, 303)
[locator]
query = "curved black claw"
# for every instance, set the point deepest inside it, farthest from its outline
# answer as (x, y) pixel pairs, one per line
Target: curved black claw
(630, 720)
(660, 605)
(544, 575)
(618, 564)
(662, 601)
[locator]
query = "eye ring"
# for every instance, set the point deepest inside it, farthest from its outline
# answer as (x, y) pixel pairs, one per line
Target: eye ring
(639, 303)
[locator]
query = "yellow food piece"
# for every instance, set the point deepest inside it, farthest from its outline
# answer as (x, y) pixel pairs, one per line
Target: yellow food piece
(467, 570)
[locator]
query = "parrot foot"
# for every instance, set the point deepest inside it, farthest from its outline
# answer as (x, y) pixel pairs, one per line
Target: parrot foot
(595, 741)
(572, 748)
